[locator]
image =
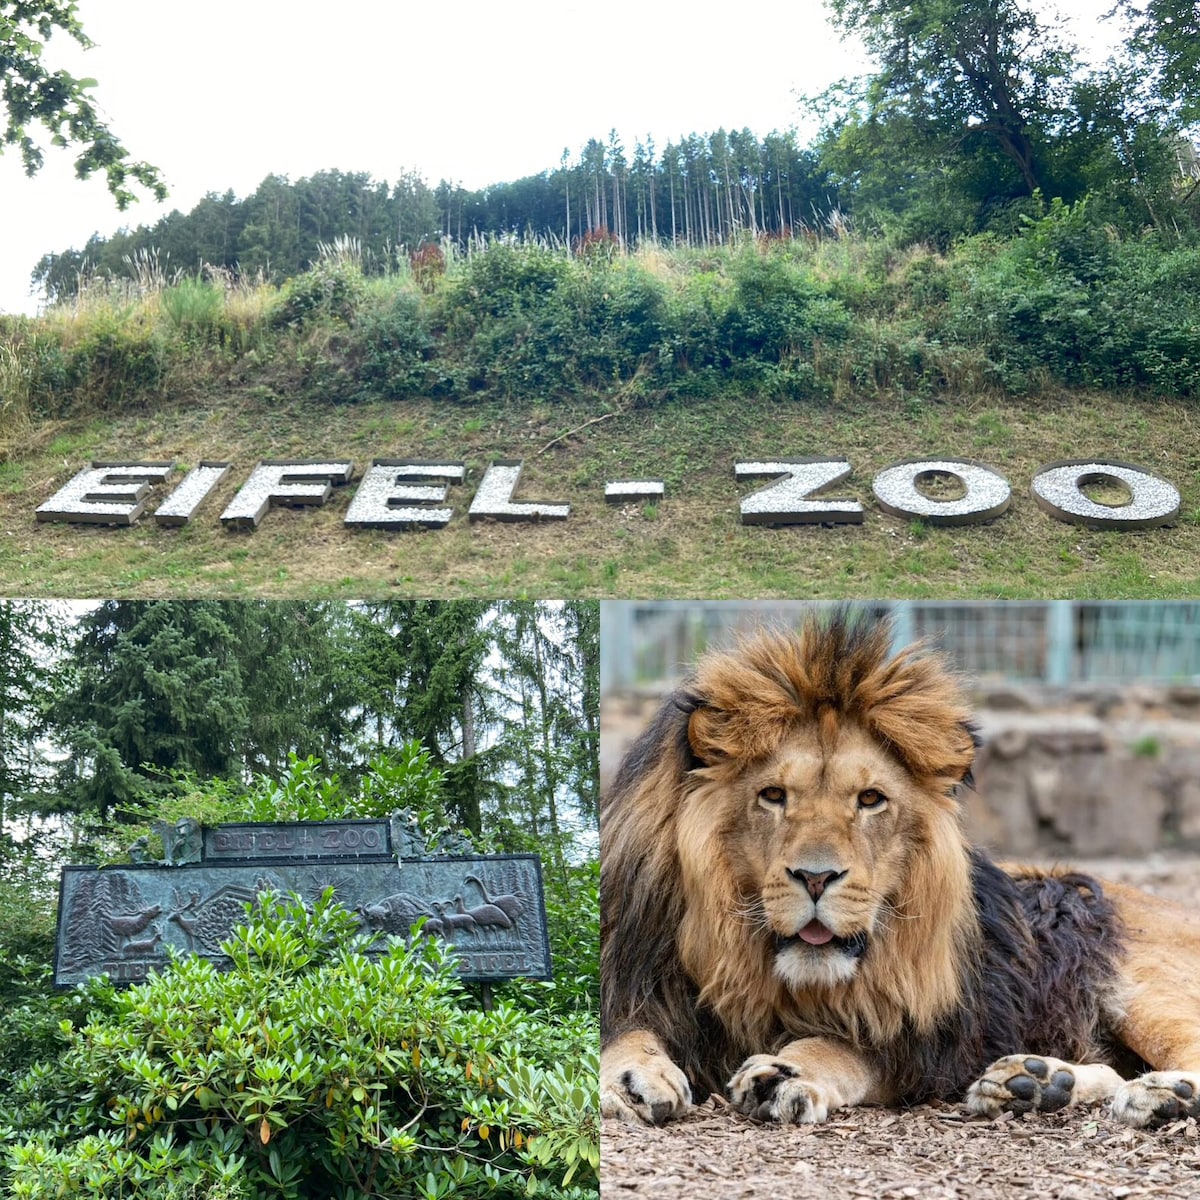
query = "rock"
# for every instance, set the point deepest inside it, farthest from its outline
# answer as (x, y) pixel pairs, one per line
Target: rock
(1007, 698)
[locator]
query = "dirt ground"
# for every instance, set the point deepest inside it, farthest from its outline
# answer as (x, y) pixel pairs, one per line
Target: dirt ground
(935, 1152)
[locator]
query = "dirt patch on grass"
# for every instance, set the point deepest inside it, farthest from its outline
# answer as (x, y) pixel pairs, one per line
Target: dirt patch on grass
(932, 1151)
(690, 544)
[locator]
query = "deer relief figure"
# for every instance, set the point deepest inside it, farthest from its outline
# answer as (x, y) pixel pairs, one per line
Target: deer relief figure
(144, 947)
(456, 920)
(131, 924)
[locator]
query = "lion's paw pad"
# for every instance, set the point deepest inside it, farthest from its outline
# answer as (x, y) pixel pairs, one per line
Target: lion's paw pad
(1156, 1098)
(769, 1089)
(1022, 1083)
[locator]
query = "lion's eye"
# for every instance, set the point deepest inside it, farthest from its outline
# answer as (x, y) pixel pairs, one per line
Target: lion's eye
(871, 798)
(773, 795)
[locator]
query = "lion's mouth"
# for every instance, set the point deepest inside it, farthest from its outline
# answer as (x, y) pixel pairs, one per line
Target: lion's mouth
(817, 935)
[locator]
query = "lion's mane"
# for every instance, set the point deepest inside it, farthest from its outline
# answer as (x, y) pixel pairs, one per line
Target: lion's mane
(988, 962)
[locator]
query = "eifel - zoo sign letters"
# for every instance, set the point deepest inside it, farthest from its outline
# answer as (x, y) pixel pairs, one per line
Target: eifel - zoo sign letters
(123, 920)
(413, 493)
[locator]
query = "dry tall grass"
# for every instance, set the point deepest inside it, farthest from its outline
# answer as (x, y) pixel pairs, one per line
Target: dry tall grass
(16, 418)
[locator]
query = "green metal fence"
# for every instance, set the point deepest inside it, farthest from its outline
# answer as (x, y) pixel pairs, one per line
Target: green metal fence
(1058, 641)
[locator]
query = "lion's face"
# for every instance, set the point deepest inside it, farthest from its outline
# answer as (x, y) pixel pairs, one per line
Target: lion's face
(818, 839)
(783, 847)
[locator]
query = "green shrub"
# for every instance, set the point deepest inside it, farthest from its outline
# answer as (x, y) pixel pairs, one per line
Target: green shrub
(767, 327)
(500, 279)
(503, 321)
(777, 310)
(691, 351)
(573, 918)
(1068, 300)
(27, 893)
(195, 307)
(332, 290)
(1156, 311)
(392, 352)
(308, 1069)
(33, 1009)
(613, 317)
(532, 322)
(108, 358)
(405, 777)
(16, 413)
(46, 373)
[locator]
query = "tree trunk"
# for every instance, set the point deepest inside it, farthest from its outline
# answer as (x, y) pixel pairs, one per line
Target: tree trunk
(550, 773)
(472, 816)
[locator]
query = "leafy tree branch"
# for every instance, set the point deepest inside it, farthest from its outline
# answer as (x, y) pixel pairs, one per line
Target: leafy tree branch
(34, 94)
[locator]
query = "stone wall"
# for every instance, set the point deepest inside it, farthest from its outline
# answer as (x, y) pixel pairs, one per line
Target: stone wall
(1069, 772)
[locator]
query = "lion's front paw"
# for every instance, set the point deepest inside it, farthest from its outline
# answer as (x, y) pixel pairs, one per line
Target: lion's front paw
(1156, 1098)
(1022, 1083)
(769, 1089)
(639, 1082)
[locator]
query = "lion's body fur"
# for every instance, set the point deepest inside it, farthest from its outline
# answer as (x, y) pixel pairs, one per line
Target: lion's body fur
(964, 962)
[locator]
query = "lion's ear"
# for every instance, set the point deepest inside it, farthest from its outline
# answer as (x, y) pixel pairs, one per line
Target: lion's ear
(702, 729)
(663, 748)
(707, 734)
(947, 760)
(718, 734)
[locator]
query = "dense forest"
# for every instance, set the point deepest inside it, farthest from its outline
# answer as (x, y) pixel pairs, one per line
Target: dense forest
(703, 190)
(972, 115)
(125, 702)
(309, 1068)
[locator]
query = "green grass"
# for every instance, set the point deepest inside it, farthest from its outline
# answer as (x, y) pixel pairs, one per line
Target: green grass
(691, 544)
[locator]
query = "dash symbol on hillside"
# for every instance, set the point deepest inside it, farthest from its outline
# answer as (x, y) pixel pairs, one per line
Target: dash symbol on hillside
(628, 491)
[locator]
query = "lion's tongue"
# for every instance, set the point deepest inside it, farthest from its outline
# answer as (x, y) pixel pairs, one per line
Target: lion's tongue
(815, 934)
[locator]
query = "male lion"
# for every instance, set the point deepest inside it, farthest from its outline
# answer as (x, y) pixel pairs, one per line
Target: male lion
(790, 910)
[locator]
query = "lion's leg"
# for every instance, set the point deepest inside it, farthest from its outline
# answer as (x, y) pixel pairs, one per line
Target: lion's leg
(1162, 1026)
(1158, 1017)
(639, 1082)
(1022, 1083)
(805, 1082)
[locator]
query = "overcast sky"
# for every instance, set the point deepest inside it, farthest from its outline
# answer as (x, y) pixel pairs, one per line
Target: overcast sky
(222, 94)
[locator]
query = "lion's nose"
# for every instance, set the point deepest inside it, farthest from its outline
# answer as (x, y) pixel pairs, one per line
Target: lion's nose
(815, 881)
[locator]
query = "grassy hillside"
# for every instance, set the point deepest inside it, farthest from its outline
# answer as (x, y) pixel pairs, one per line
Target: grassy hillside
(691, 544)
(1064, 342)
